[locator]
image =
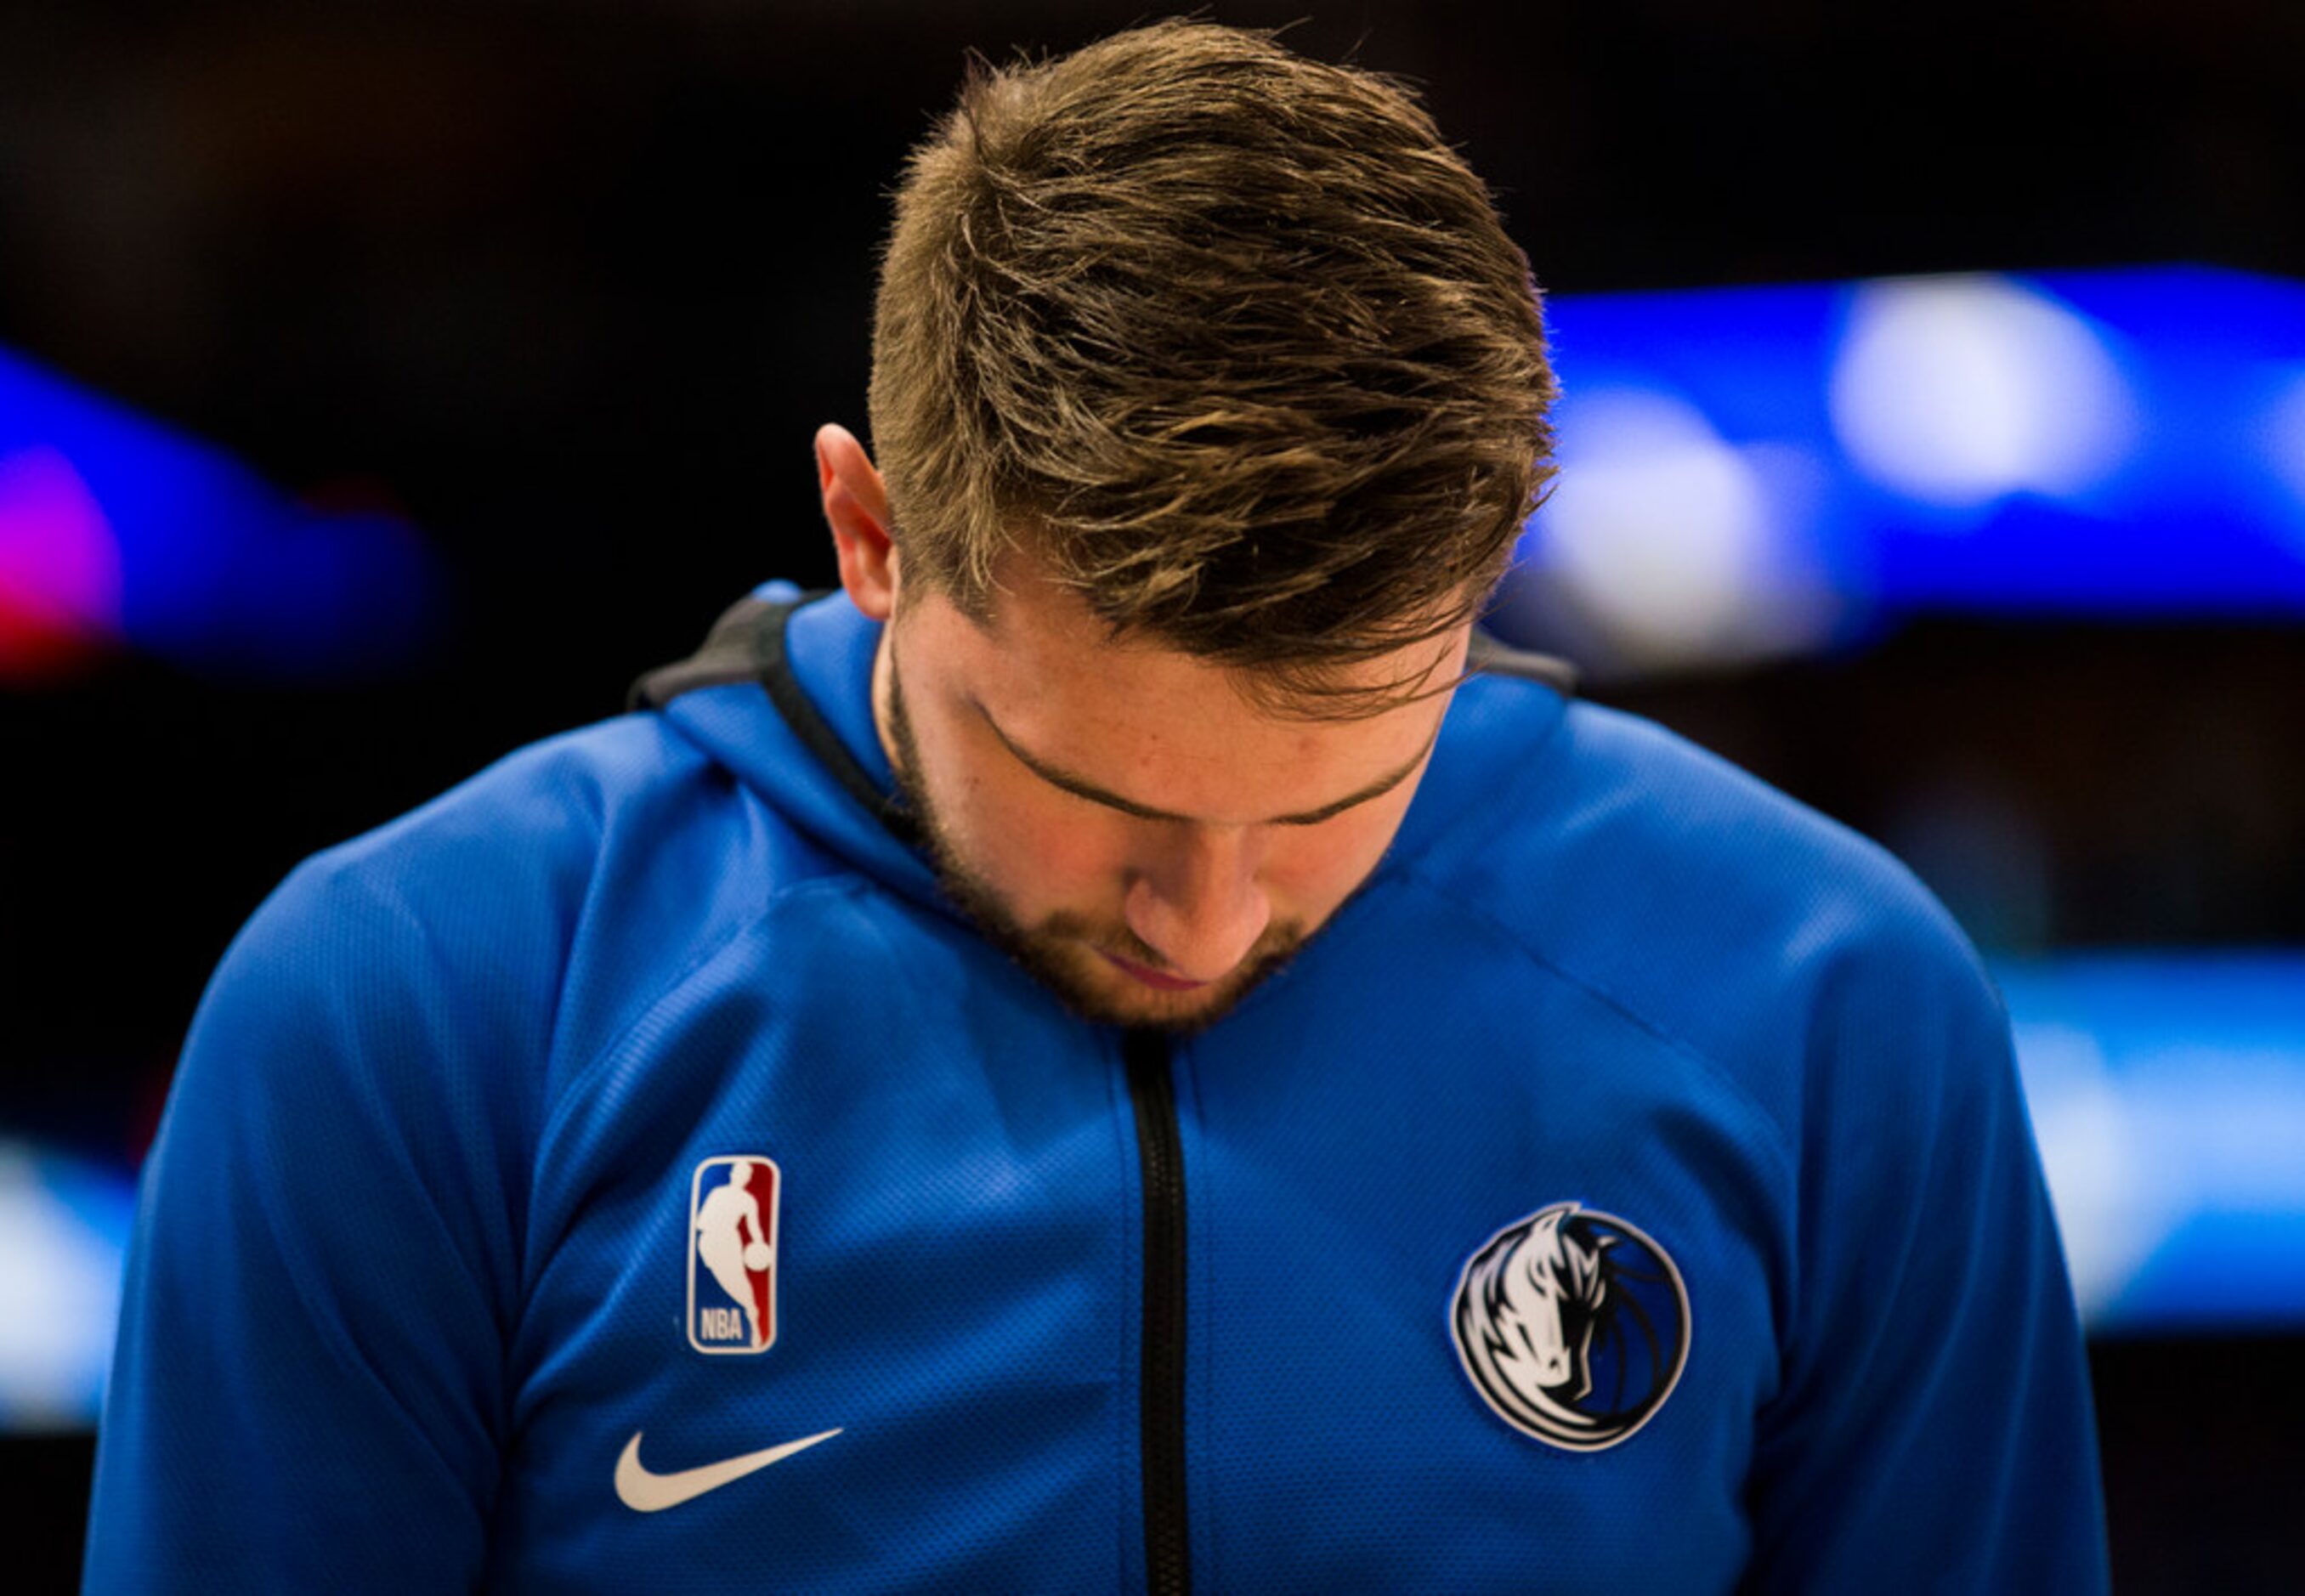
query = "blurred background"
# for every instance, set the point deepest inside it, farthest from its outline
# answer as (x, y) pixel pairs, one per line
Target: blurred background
(383, 387)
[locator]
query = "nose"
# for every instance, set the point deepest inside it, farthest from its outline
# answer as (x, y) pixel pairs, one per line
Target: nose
(1198, 901)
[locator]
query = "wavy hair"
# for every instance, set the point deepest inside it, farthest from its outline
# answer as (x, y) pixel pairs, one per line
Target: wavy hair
(1228, 339)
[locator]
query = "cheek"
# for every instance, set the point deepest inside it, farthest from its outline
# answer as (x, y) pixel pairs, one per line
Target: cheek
(1311, 872)
(1038, 844)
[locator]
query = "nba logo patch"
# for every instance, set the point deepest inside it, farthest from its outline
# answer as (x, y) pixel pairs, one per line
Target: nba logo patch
(732, 1254)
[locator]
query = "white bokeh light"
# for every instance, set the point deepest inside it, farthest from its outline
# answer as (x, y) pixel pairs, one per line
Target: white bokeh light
(59, 1297)
(1663, 537)
(1960, 390)
(2114, 1199)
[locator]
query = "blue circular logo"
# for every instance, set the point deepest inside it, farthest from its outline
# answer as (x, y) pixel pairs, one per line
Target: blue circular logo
(1573, 1326)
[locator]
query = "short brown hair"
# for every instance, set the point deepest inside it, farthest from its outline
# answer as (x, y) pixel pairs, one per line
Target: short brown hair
(1227, 338)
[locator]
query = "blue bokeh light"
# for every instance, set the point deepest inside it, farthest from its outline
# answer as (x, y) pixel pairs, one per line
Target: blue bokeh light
(2119, 444)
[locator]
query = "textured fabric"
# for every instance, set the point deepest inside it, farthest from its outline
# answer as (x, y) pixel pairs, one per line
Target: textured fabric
(414, 1262)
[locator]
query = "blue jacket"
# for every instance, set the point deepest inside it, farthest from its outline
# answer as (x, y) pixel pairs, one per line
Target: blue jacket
(1630, 1190)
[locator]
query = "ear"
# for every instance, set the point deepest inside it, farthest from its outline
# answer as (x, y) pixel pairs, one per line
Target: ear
(856, 509)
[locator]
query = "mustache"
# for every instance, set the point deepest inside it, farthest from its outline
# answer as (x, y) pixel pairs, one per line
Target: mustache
(1278, 940)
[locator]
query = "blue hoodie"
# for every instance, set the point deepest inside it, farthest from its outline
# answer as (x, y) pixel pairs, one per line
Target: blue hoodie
(629, 1172)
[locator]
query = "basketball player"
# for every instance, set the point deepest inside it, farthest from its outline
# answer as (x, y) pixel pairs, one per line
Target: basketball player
(1270, 1092)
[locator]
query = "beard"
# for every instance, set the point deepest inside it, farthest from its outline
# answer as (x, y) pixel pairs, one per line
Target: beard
(1061, 950)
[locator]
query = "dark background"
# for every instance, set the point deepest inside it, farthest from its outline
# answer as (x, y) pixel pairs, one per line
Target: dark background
(570, 285)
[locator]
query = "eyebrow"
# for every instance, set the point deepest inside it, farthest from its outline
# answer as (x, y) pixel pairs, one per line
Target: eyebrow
(1079, 787)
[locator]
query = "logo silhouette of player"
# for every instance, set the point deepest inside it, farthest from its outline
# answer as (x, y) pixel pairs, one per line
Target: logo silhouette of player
(735, 1247)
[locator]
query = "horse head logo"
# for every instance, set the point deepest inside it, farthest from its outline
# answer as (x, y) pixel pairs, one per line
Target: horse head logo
(1552, 1290)
(1573, 1326)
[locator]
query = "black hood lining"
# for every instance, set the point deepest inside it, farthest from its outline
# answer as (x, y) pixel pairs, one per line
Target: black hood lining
(1494, 658)
(747, 644)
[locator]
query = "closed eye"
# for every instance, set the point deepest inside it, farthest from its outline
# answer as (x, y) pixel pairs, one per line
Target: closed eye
(1057, 777)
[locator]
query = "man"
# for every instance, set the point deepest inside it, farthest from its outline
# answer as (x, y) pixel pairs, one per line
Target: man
(1250, 1088)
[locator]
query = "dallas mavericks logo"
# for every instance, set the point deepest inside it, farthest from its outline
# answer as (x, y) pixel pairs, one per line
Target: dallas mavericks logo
(1573, 1325)
(732, 1254)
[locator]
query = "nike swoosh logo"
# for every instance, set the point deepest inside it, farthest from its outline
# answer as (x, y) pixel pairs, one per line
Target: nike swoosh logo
(644, 1492)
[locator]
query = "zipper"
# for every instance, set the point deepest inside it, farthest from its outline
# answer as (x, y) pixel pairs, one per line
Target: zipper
(1161, 1401)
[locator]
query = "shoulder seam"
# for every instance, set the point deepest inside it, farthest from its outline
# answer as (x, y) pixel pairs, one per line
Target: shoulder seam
(844, 881)
(1789, 1167)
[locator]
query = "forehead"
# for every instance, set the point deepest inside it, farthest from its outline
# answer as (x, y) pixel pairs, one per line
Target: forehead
(1149, 723)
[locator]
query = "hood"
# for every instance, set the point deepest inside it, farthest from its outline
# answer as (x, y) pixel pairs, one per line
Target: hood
(780, 694)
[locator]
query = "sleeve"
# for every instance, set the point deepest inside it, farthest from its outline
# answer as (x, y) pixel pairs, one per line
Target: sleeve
(1933, 1429)
(309, 1390)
